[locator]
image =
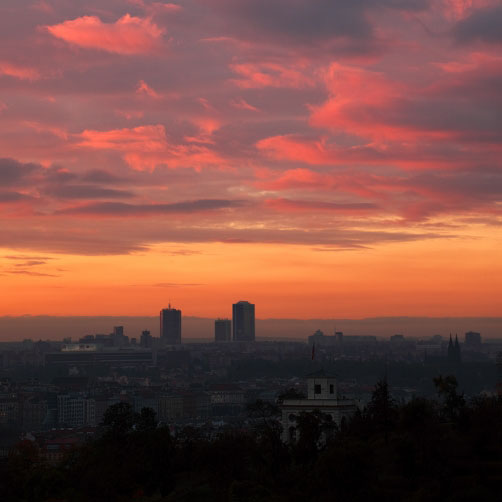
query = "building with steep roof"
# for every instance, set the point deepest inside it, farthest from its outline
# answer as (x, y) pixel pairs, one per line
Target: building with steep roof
(454, 354)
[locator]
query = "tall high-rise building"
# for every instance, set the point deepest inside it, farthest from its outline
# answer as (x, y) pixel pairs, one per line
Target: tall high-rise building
(243, 322)
(222, 330)
(170, 326)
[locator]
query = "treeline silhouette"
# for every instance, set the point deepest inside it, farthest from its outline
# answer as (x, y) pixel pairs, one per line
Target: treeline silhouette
(444, 449)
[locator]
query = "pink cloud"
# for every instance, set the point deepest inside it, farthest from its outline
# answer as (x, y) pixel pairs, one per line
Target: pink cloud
(406, 155)
(171, 7)
(145, 89)
(150, 138)
(260, 75)
(456, 9)
(18, 71)
(146, 147)
(242, 104)
(297, 150)
(358, 102)
(128, 35)
(307, 180)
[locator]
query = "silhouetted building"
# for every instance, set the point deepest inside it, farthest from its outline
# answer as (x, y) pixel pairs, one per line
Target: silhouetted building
(454, 355)
(473, 340)
(86, 339)
(437, 339)
(319, 339)
(339, 339)
(146, 340)
(170, 326)
(397, 339)
(243, 322)
(119, 339)
(222, 330)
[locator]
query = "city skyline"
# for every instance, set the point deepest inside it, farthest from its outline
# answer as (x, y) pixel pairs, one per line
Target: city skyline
(200, 328)
(324, 158)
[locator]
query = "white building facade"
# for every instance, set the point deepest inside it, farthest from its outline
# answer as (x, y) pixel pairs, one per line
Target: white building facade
(322, 395)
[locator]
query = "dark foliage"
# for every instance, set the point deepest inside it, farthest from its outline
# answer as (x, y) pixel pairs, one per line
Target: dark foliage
(448, 449)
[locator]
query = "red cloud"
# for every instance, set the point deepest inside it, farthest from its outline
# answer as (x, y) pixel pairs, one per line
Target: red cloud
(242, 104)
(297, 150)
(128, 35)
(146, 147)
(322, 152)
(456, 9)
(17, 71)
(261, 75)
(150, 138)
(144, 88)
(358, 103)
(360, 184)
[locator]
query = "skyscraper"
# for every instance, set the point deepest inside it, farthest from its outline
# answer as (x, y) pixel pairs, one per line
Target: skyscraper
(222, 330)
(170, 326)
(243, 322)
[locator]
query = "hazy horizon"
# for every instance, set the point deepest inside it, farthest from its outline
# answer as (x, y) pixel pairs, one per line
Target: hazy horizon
(17, 328)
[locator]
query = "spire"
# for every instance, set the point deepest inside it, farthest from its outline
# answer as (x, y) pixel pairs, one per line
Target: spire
(457, 350)
(451, 350)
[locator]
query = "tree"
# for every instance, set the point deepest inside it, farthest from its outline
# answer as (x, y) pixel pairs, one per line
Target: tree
(119, 419)
(265, 418)
(453, 403)
(313, 428)
(291, 393)
(146, 420)
(382, 408)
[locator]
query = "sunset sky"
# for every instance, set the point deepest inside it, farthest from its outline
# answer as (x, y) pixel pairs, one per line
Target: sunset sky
(319, 158)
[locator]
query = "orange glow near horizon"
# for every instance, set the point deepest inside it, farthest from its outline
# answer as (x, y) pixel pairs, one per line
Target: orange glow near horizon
(284, 282)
